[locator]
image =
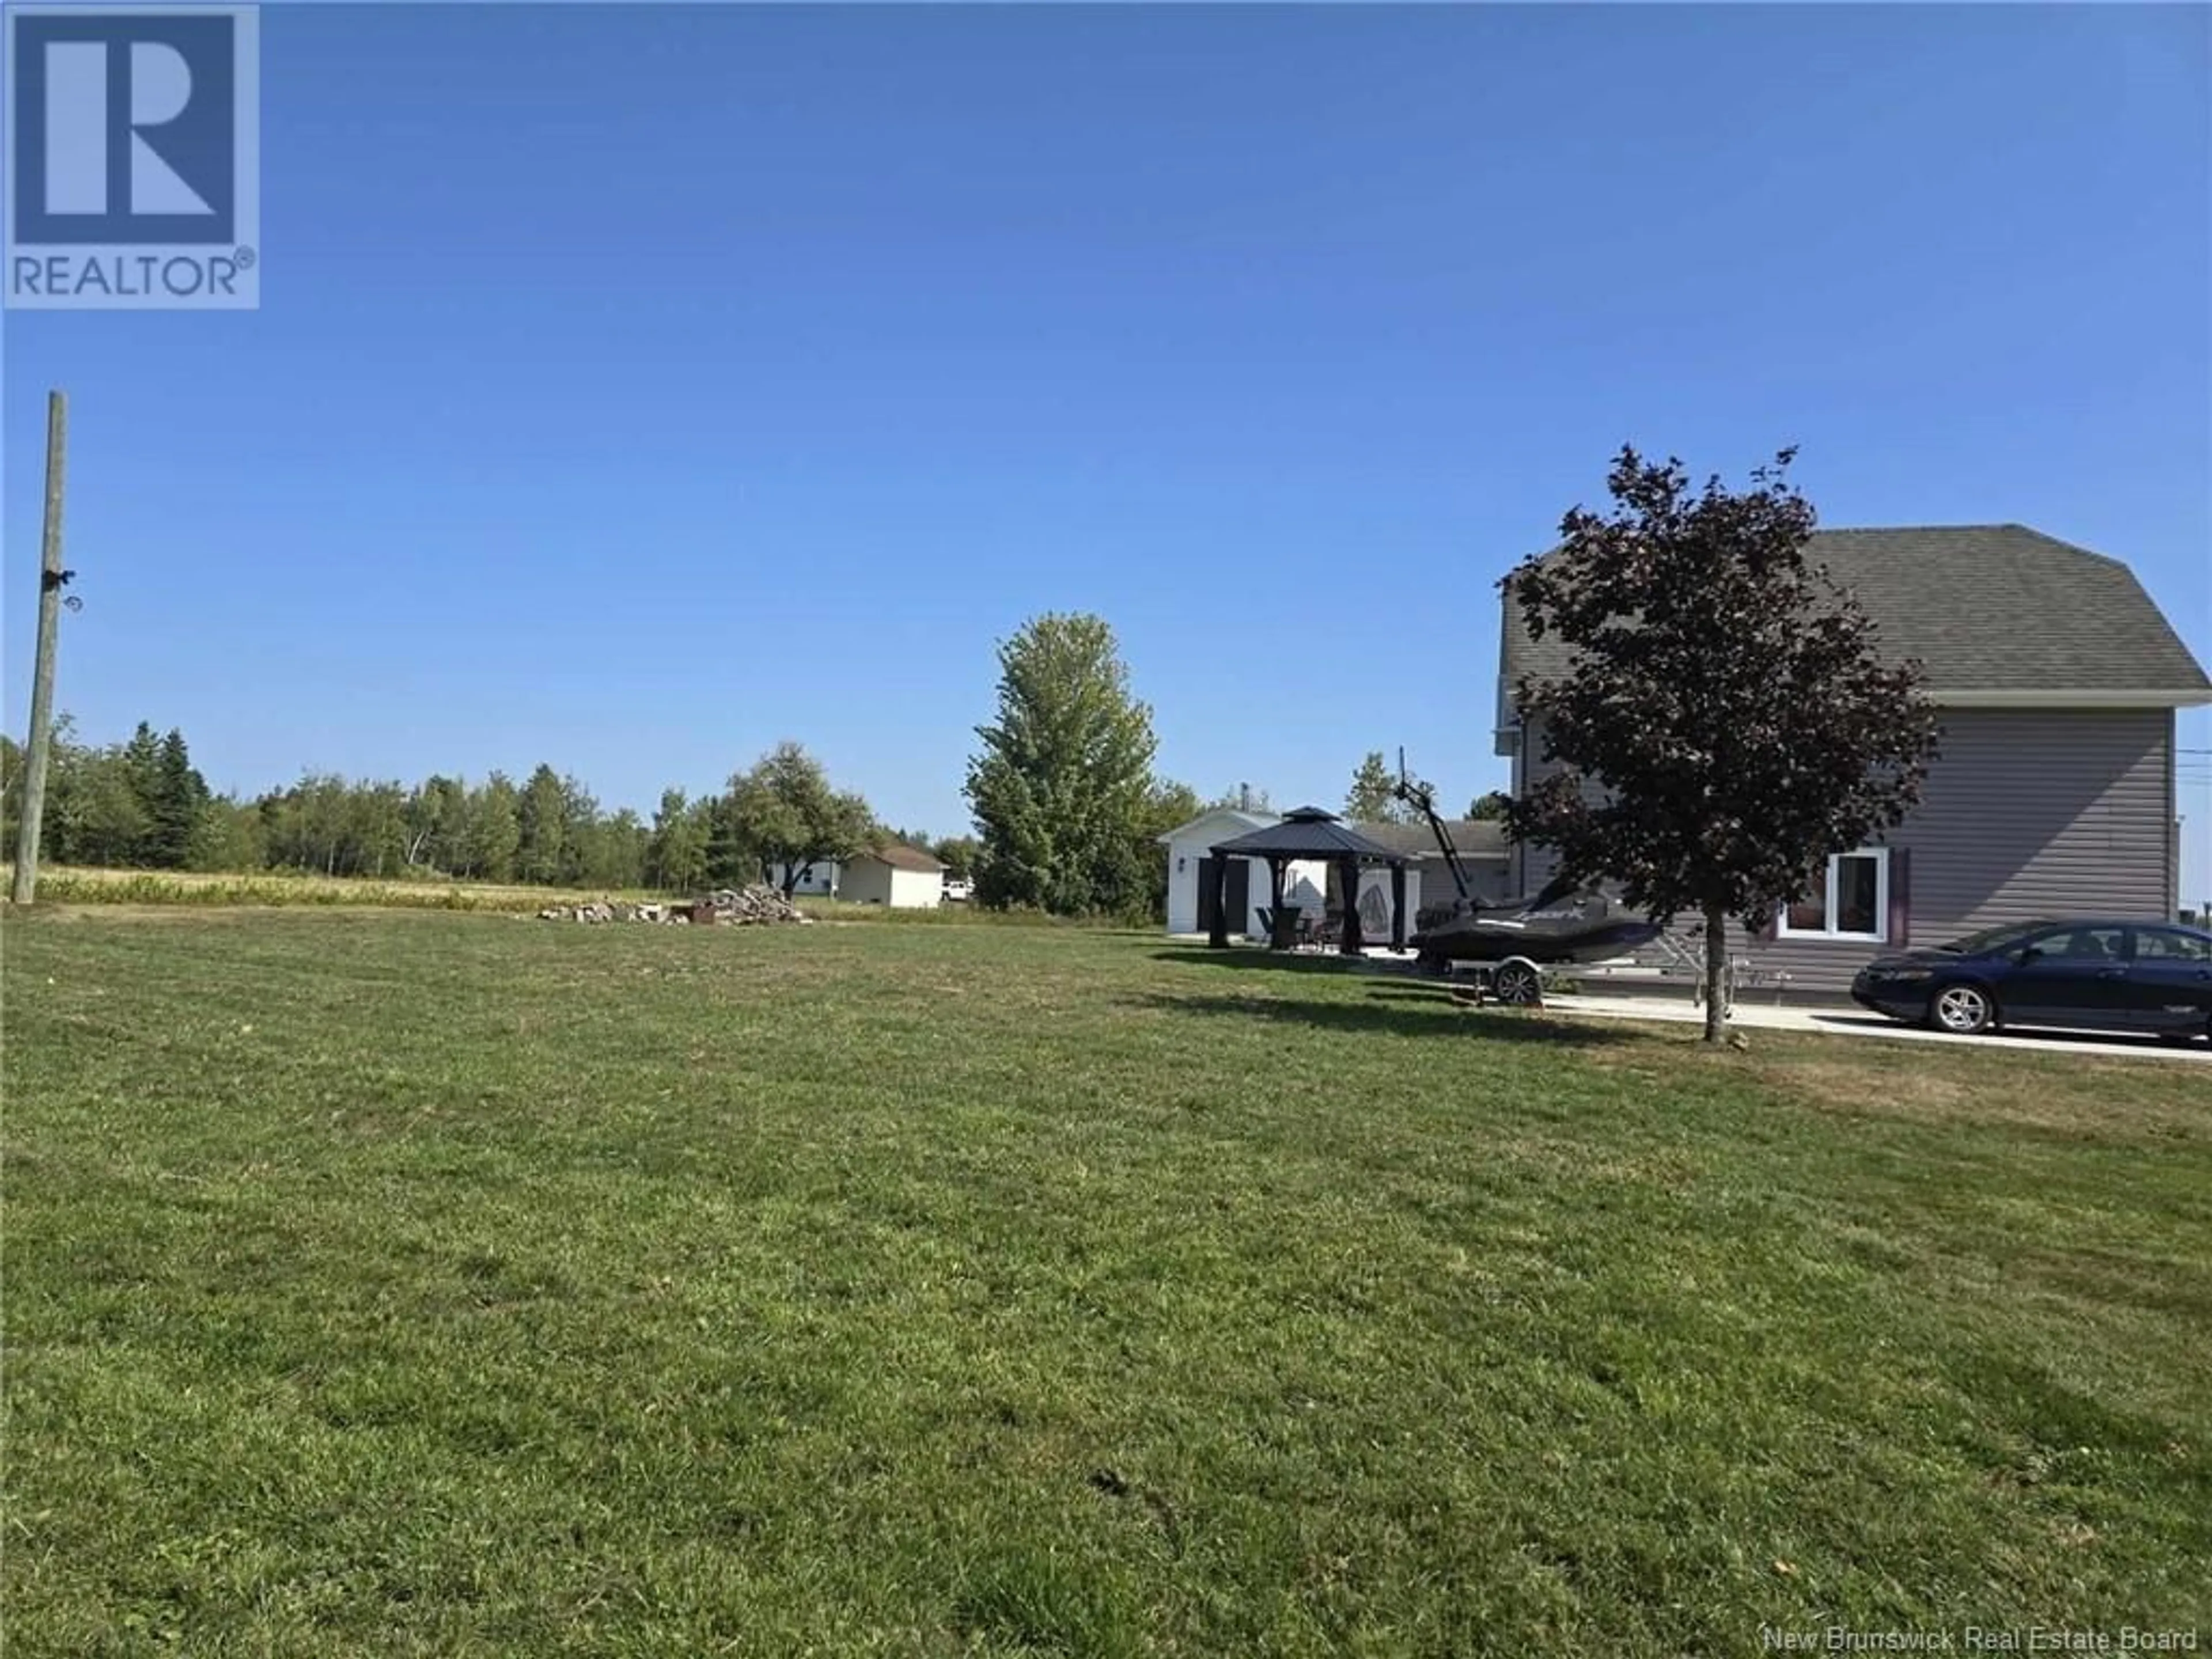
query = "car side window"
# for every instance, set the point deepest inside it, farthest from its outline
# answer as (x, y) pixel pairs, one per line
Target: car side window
(2171, 944)
(2085, 944)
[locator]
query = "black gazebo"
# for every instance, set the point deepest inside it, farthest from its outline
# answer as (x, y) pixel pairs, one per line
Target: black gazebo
(1311, 833)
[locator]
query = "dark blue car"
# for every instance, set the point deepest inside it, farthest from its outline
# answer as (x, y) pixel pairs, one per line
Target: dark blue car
(2087, 973)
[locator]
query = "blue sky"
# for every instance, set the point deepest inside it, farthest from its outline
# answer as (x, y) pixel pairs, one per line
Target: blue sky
(635, 387)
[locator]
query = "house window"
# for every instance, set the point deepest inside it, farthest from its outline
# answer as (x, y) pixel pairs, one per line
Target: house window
(1850, 901)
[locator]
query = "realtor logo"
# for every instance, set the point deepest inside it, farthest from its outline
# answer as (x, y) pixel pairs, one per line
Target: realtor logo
(133, 158)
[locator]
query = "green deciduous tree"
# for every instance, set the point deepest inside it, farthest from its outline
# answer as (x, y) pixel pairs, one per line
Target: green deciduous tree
(958, 853)
(1490, 805)
(143, 803)
(1169, 806)
(1060, 790)
(1729, 722)
(12, 794)
(1244, 798)
(541, 827)
(229, 837)
(436, 818)
(94, 812)
(676, 854)
(784, 812)
(493, 831)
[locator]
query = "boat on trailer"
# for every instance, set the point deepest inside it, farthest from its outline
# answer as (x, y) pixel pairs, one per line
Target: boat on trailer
(1511, 941)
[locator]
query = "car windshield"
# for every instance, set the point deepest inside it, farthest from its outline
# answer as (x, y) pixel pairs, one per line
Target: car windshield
(1994, 938)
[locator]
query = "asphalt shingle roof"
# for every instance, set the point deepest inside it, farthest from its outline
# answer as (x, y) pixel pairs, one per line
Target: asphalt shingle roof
(1308, 832)
(1983, 607)
(902, 855)
(1474, 837)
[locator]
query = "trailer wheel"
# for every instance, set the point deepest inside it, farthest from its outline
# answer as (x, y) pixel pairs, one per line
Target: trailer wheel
(1516, 981)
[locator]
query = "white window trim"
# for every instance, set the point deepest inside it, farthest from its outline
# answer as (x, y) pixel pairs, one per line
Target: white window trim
(1880, 933)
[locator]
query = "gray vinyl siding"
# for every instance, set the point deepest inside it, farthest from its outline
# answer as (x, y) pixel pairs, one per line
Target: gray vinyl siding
(2031, 811)
(2026, 812)
(1489, 879)
(1529, 867)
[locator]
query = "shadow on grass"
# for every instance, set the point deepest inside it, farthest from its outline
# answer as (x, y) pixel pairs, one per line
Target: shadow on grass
(1419, 990)
(1253, 957)
(1434, 1015)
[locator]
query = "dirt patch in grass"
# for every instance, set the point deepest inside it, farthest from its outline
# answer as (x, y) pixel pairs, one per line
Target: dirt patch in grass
(2073, 1096)
(1848, 1086)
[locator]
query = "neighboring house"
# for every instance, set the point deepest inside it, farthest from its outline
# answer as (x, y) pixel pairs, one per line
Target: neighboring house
(2056, 679)
(900, 876)
(817, 880)
(1313, 884)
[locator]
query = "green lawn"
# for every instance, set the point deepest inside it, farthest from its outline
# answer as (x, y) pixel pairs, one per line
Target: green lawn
(451, 1285)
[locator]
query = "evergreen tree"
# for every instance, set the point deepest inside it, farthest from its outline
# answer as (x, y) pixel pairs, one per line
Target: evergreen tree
(1371, 798)
(180, 797)
(141, 761)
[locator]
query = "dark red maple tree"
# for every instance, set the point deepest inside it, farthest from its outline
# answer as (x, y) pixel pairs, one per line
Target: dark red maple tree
(1728, 721)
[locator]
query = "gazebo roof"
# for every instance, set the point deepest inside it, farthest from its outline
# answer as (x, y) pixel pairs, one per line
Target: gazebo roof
(1308, 832)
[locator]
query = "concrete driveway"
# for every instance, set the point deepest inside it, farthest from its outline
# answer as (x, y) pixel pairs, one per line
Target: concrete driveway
(1847, 1021)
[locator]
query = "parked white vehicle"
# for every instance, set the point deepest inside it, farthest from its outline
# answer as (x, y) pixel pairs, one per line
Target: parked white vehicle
(958, 890)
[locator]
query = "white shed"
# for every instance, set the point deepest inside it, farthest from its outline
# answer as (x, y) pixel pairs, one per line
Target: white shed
(903, 876)
(1190, 889)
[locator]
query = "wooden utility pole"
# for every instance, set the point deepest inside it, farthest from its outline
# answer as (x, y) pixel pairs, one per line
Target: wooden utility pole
(51, 577)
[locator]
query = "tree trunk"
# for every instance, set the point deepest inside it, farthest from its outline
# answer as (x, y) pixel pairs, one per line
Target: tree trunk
(1716, 973)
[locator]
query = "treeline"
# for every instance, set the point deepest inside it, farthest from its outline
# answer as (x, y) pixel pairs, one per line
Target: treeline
(1067, 807)
(143, 805)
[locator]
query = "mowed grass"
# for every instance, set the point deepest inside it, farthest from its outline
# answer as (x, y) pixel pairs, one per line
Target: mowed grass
(426, 1283)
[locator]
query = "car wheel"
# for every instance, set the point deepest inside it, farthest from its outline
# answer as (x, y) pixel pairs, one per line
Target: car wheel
(1964, 1009)
(1517, 983)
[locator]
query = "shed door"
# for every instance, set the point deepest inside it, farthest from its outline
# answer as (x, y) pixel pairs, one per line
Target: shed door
(1237, 892)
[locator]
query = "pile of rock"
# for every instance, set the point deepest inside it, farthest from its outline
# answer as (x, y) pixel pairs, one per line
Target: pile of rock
(736, 906)
(604, 910)
(749, 906)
